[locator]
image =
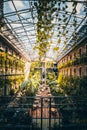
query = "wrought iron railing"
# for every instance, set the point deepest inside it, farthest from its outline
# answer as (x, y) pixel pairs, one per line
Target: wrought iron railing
(43, 113)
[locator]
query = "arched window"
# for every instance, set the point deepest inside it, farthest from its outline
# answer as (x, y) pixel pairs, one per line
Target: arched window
(70, 71)
(74, 54)
(86, 50)
(80, 52)
(67, 72)
(86, 71)
(74, 71)
(70, 57)
(80, 71)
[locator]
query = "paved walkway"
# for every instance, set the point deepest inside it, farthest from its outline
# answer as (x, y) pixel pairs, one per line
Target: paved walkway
(43, 107)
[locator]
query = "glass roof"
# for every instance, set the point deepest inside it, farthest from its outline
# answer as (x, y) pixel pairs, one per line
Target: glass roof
(22, 16)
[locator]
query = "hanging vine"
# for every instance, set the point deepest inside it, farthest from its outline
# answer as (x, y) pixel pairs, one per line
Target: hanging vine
(45, 10)
(65, 22)
(65, 19)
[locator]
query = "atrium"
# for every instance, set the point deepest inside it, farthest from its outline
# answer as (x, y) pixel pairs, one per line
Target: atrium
(43, 64)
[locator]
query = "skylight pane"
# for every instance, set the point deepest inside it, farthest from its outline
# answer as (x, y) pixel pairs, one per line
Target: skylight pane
(21, 18)
(8, 7)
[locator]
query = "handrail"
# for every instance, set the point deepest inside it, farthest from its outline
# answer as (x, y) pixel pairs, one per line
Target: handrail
(52, 110)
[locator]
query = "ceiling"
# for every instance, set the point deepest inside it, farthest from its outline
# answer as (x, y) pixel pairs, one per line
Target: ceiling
(20, 26)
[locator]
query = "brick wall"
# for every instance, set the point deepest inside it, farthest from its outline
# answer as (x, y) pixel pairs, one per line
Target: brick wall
(78, 68)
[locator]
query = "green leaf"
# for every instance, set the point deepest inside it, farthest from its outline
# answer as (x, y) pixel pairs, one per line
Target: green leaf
(64, 34)
(74, 24)
(63, 8)
(63, 27)
(56, 48)
(56, 14)
(64, 20)
(67, 31)
(35, 4)
(66, 6)
(59, 19)
(59, 32)
(59, 41)
(65, 42)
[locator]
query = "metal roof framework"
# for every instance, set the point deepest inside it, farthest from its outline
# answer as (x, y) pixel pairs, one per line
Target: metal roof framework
(20, 26)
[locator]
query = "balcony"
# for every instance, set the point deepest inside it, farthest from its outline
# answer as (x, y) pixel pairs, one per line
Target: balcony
(77, 61)
(80, 60)
(43, 113)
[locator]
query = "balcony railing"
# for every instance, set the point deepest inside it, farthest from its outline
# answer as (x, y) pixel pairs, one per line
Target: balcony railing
(80, 60)
(73, 62)
(43, 113)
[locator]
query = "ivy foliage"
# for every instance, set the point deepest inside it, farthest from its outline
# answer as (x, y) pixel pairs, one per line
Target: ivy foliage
(45, 10)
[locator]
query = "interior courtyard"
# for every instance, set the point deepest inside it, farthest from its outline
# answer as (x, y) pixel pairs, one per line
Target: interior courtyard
(43, 64)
